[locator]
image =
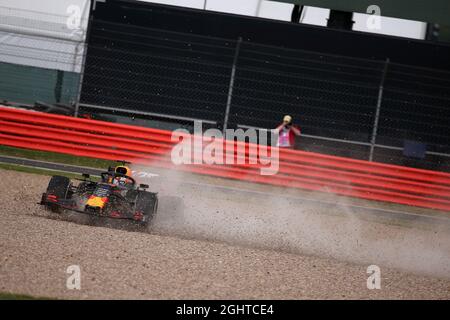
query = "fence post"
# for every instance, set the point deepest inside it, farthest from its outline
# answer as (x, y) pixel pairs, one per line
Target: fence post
(83, 62)
(377, 113)
(230, 88)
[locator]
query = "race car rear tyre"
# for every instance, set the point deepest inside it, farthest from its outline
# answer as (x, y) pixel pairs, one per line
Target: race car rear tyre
(147, 203)
(58, 186)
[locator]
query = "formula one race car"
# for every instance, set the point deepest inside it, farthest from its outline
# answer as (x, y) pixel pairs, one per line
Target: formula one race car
(116, 196)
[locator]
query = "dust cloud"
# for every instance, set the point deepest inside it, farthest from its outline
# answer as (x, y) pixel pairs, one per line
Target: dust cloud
(195, 211)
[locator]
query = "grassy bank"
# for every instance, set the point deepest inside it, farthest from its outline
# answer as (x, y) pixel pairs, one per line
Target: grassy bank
(13, 296)
(54, 157)
(7, 166)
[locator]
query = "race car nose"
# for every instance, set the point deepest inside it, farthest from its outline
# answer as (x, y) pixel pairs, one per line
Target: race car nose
(94, 201)
(91, 209)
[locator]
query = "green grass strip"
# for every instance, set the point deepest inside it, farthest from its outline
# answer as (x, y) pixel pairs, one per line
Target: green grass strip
(45, 172)
(13, 296)
(54, 157)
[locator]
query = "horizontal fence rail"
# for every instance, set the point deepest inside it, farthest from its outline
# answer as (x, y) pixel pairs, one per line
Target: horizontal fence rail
(297, 169)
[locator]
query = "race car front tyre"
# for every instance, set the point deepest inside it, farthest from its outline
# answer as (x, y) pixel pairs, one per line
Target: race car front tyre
(147, 203)
(58, 186)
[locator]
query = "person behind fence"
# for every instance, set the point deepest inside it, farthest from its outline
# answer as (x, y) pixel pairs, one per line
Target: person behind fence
(287, 132)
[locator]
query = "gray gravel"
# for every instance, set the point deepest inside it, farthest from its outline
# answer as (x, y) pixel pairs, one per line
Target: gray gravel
(36, 248)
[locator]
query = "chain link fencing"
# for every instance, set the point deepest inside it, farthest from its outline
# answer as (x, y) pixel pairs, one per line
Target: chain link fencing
(165, 74)
(359, 108)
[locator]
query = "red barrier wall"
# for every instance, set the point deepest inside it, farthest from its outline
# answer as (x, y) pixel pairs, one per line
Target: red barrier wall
(297, 169)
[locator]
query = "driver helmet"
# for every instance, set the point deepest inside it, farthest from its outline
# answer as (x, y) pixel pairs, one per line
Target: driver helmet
(123, 170)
